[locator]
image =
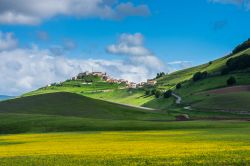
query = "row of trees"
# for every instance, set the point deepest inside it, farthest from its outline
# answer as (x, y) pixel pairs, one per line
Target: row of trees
(242, 47)
(167, 94)
(237, 63)
(158, 93)
(200, 75)
(159, 75)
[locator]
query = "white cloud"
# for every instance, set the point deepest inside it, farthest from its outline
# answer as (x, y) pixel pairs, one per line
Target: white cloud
(33, 12)
(26, 69)
(7, 41)
(131, 45)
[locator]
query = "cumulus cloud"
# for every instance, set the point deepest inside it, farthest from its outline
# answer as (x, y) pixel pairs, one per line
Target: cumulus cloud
(59, 50)
(33, 12)
(132, 46)
(7, 41)
(26, 69)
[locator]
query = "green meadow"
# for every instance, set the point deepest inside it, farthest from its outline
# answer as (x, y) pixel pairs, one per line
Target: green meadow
(70, 129)
(98, 123)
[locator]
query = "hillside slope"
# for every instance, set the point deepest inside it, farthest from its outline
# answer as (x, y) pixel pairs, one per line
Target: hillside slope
(70, 104)
(190, 91)
(57, 112)
(194, 93)
(213, 67)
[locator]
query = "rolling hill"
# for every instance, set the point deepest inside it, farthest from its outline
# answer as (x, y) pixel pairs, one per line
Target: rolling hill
(75, 106)
(70, 104)
(193, 93)
(63, 111)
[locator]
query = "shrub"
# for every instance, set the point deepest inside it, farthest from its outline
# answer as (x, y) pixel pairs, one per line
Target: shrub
(158, 94)
(242, 47)
(231, 81)
(147, 92)
(168, 94)
(200, 75)
(159, 75)
(178, 86)
(153, 92)
(238, 63)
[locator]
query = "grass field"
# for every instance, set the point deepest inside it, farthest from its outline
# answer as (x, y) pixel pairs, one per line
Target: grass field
(70, 104)
(234, 102)
(73, 123)
(77, 86)
(70, 129)
(189, 143)
(127, 96)
(189, 92)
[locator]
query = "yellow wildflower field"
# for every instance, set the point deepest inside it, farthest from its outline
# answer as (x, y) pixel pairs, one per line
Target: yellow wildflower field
(172, 147)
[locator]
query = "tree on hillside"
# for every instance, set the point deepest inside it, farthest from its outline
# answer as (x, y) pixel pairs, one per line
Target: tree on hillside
(242, 47)
(200, 75)
(158, 94)
(239, 62)
(231, 81)
(153, 92)
(159, 75)
(147, 92)
(178, 86)
(168, 94)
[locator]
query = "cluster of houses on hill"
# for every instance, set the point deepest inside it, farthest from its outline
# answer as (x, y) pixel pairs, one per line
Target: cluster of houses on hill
(107, 78)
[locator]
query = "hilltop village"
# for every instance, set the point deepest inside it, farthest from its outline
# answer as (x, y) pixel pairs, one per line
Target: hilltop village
(105, 77)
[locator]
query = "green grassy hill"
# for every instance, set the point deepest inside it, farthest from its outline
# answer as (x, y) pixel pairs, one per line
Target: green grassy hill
(70, 104)
(217, 133)
(72, 112)
(77, 86)
(58, 112)
(192, 92)
(213, 68)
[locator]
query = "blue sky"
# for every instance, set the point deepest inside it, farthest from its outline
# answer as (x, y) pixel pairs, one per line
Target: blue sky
(183, 33)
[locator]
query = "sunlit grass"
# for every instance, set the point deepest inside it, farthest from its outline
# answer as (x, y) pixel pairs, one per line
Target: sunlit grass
(178, 147)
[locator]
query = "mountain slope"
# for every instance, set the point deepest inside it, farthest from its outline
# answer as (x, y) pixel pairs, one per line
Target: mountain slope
(213, 67)
(194, 93)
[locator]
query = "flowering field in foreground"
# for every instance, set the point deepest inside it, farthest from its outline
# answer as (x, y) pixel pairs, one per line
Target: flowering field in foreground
(225, 146)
